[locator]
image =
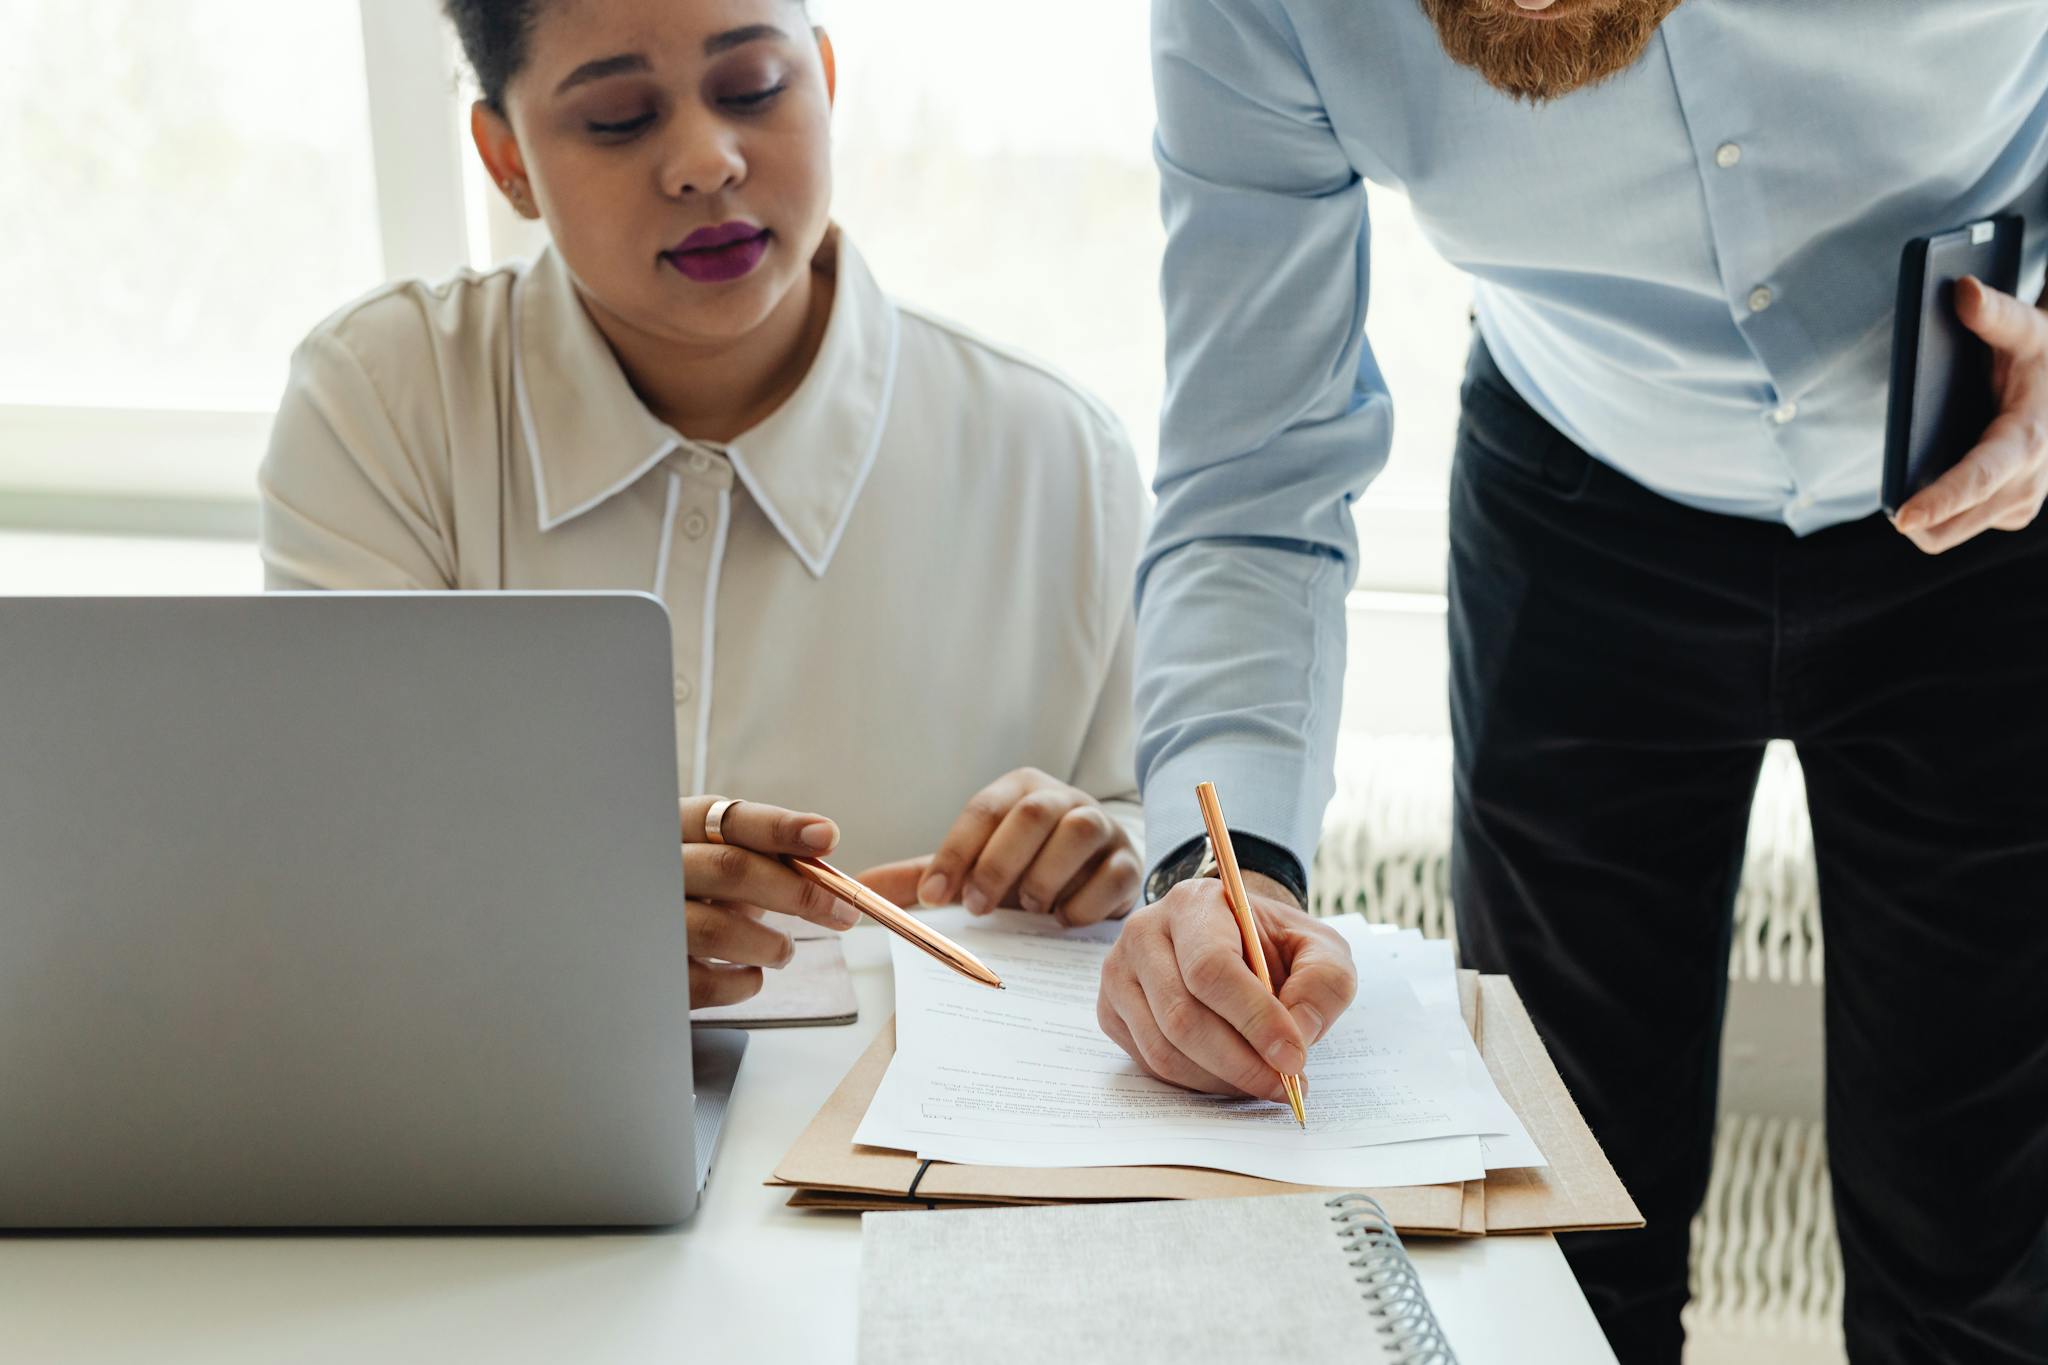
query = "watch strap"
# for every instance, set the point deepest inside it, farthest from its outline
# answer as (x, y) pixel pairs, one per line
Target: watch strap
(1195, 859)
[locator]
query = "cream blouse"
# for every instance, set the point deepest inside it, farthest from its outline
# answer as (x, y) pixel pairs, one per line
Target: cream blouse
(913, 577)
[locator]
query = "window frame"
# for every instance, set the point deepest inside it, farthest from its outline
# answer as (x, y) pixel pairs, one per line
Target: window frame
(173, 471)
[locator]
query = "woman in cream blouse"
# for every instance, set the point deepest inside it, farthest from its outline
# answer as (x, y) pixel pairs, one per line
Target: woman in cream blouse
(897, 559)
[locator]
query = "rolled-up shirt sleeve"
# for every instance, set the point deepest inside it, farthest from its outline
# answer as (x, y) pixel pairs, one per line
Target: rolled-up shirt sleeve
(1275, 420)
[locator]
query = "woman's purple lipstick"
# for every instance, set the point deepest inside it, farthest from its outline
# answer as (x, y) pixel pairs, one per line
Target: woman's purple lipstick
(714, 255)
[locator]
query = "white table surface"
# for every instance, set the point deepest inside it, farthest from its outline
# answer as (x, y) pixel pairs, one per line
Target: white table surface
(747, 1280)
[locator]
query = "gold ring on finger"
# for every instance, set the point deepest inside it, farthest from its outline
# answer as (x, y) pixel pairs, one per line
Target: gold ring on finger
(714, 820)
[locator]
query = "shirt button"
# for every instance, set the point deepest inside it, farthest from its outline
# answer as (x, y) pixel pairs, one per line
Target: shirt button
(694, 525)
(1760, 298)
(1727, 154)
(1784, 412)
(699, 462)
(1802, 502)
(682, 690)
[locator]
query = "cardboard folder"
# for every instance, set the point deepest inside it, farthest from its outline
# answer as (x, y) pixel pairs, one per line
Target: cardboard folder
(1578, 1190)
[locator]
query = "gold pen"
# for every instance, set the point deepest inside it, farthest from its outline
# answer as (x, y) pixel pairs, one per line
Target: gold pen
(876, 907)
(897, 921)
(1247, 927)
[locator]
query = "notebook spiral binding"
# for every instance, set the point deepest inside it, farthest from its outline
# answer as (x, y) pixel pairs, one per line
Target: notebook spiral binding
(1390, 1282)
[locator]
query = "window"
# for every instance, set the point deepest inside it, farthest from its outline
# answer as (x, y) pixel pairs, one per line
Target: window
(202, 195)
(192, 185)
(214, 176)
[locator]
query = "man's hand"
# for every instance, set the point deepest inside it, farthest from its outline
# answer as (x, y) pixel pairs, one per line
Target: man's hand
(1029, 840)
(2000, 484)
(1178, 996)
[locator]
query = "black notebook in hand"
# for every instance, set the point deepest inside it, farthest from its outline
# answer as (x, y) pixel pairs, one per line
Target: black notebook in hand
(1941, 392)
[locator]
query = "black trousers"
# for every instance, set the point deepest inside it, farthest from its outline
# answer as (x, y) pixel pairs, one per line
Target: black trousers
(1617, 663)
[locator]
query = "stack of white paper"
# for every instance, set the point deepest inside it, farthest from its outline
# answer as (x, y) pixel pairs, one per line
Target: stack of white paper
(1398, 1094)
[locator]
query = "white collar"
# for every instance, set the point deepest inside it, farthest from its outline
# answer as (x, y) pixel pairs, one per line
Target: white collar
(590, 437)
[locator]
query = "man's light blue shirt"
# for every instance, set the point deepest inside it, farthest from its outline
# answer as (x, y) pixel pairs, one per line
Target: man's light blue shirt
(1688, 270)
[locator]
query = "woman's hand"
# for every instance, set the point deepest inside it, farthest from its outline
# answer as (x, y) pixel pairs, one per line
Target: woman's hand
(1026, 840)
(729, 884)
(2000, 484)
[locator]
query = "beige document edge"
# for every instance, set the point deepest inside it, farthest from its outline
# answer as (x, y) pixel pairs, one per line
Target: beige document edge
(1577, 1191)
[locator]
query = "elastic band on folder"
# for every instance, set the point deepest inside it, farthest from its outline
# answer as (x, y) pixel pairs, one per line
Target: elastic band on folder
(1390, 1282)
(915, 1180)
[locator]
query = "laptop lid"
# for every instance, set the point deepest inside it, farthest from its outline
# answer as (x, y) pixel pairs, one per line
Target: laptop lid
(341, 909)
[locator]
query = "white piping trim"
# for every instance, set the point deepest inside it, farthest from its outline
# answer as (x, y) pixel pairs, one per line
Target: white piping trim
(523, 398)
(710, 640)
(668, 533)
(817, 565)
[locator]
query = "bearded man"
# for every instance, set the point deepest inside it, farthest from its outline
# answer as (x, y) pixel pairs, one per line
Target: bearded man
(1684, 224)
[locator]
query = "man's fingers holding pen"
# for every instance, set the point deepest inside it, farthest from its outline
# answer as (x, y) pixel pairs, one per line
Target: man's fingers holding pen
(1183, 996)
(1213, 966)
(1195, 1031)
(1166, 1029)
(1141, 1038)
(1320, 978)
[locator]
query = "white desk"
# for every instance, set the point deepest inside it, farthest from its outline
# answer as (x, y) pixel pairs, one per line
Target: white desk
(748, 1280)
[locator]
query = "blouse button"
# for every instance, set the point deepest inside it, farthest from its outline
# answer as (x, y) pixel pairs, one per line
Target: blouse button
(694, 525)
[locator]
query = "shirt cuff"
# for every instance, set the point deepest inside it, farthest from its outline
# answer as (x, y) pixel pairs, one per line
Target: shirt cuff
(1262, 794)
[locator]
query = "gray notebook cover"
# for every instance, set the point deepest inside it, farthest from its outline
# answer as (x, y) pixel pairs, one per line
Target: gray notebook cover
(1300, 1278)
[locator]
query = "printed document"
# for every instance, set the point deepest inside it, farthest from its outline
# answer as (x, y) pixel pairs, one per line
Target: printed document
(1025, 1077)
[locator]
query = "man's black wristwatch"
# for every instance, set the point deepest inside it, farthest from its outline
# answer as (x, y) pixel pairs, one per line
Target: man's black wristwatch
(1254, 854)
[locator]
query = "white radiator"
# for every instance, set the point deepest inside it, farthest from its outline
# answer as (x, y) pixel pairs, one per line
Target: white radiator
(1766, 1271)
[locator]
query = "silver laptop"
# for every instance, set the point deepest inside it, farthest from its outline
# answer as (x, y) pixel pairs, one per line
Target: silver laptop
(345, 910)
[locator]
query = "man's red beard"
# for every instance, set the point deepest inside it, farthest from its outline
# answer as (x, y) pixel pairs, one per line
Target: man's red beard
(1535, 60)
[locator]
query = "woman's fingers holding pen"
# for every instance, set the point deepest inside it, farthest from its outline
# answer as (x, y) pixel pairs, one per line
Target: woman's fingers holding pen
(727, 933)
(727, 872)
(760, 827)
(719, 983)
(729, 947)
(747, 867)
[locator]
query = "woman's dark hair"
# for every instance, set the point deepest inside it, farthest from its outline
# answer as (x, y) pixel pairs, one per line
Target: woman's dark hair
(494, 34)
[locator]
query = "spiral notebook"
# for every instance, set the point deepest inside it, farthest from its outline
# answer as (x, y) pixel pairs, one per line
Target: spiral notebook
(1301, 1278)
